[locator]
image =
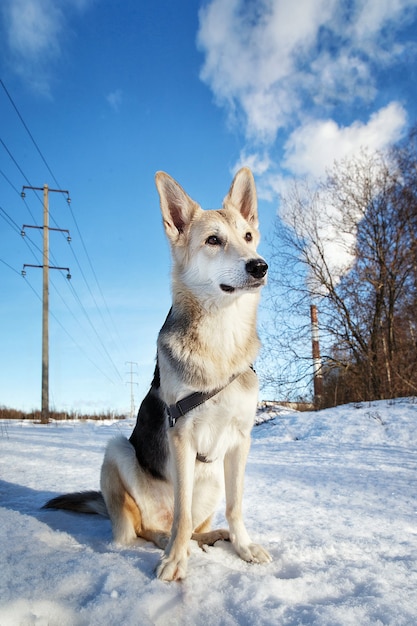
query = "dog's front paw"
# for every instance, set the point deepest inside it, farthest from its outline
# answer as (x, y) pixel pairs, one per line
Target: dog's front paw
(172, 568)
(253, 553)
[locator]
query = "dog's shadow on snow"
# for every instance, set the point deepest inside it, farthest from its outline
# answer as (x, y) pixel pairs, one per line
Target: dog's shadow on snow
(91, 530)
(94, 531)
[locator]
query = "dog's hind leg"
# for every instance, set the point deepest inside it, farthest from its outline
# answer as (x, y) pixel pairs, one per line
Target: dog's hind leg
(125, 515)
(122, 509)
(204, 536)
(210, 538)
(131, 509)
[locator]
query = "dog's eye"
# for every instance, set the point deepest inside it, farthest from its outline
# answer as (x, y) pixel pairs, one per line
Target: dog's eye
(248, 237)
(213, 240)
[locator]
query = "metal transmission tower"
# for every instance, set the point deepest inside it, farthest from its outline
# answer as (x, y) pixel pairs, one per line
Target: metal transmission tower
(132, 382)
(45, 290)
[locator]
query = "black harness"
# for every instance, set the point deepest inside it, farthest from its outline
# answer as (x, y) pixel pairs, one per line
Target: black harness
(180, 408)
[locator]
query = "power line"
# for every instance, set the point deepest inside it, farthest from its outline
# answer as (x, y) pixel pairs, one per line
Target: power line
(28, 132)
(39, 151)
(10, 183)
(95, 331)
(10, 267)
(9, 220)
(72, 214)
(65, 303)
(80, 348)
(94, 274)
(14, 161)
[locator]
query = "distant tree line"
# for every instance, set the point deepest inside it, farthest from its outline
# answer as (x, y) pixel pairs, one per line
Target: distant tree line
(36, 415)
(349, 245)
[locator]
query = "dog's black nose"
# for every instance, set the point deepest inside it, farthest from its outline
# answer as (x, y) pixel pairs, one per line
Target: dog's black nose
(256, 268)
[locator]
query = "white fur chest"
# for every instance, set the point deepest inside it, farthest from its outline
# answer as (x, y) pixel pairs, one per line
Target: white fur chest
(219, 424)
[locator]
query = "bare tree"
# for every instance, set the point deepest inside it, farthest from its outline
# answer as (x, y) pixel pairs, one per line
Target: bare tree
(350, 246)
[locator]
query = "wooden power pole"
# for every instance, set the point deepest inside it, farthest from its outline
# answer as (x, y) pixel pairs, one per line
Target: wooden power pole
(45, 290)
(45, 309)
(317, 371)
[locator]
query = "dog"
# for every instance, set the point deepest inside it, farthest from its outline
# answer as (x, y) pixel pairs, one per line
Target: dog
(192, 434)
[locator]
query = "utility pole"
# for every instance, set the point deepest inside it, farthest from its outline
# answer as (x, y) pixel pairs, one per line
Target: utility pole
(317, 371)
(45, 289)
(132, 397)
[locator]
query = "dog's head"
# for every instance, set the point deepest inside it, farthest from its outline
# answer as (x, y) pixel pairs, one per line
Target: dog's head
(214, 252)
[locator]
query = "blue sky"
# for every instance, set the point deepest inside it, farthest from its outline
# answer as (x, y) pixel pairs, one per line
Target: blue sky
(111, 92)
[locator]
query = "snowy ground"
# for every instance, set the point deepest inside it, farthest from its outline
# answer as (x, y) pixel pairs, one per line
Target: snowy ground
(332, 496)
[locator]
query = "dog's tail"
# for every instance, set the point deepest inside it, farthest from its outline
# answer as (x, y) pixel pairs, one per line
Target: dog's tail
(79, 502)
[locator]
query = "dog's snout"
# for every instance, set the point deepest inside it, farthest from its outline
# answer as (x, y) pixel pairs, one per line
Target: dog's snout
(257, 268)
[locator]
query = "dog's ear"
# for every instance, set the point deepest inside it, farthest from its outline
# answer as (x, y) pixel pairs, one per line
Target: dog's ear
(242, 194)
(177, 207)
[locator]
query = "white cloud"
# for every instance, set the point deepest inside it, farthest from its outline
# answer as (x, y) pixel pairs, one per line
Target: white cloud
(258, 163)
(302, 70)
(252, 52)
(33, 27)
(266, 61)
(315, 145)
(373, 15)
(35, 31)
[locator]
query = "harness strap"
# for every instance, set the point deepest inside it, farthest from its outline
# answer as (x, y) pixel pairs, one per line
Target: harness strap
(183, 406)
(180, 408)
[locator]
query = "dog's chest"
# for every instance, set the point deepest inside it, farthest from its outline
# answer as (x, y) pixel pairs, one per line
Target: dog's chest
(220, 424)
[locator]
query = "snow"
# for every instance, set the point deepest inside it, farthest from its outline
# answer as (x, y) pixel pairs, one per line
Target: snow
(331, 494)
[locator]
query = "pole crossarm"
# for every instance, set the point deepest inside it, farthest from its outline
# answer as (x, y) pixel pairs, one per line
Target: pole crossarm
(51, 267)
(59, 230)
(42, 188)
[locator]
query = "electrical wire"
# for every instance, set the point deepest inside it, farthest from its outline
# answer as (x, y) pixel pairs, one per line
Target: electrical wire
(28, 131)
(14, 189)
(9, 266)
(95, 331)
(14, 161)
(77, 228)
(70, 336)
(28, 241)
(9, 220)
(73, 217)
(58, 321)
